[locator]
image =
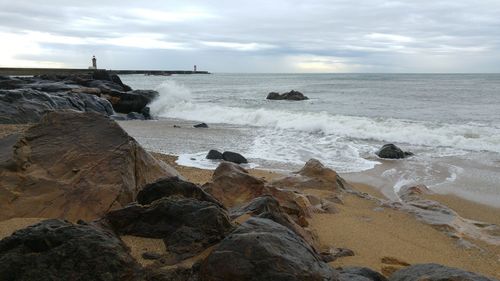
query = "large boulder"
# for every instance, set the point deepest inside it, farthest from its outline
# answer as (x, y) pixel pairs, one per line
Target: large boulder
(234, 157)
(28, 105)
(435, 272)
(356, 273)
(132, 101)
(214, 155)
(186, 225)
(59, 250)
(391, 151)
(73, 165)
(173, 186)
(313, 175)
(261, 249)
(292, 95)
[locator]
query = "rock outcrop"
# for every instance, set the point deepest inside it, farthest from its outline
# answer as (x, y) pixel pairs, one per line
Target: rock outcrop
(26, 99)
(391, 151)
(186, 225)
(313, 175)
(60, 250)
(73, 165)
(292, 95)
(435, 272)
(261, 249)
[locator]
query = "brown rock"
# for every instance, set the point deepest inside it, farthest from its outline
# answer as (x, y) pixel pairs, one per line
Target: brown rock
(73, 165)
(313, 175)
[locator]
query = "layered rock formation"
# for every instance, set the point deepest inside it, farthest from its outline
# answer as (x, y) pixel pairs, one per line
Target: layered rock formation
(73, 165)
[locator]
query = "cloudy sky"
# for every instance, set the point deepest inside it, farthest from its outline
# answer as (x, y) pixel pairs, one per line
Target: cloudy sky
(254, 36)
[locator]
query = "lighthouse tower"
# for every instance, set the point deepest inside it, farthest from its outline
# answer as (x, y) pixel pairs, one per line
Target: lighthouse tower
(94, 62)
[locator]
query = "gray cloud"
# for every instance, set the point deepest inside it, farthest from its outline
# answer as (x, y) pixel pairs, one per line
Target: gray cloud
(255, 36)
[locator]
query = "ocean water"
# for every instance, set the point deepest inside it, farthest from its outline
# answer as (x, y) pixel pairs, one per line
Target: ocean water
(450, 121)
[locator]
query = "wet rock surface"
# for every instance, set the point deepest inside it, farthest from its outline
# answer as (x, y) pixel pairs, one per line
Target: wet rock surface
(391, 151)
(292, 96)
(26, 99)
(60, 250)
(261, 249)
(214, 155)
(234, 157)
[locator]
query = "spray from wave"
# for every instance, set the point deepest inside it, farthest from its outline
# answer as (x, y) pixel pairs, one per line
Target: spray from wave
(175, 102)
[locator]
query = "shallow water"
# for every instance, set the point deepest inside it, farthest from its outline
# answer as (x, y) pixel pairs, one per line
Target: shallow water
(449, 121)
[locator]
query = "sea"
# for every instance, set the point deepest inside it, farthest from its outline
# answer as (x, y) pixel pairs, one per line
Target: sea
(451, 122)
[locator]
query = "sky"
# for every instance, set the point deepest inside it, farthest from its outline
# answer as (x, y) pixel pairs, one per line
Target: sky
(254, 36)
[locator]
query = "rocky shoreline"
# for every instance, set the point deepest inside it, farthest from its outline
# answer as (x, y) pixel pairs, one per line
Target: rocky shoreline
(100, 193)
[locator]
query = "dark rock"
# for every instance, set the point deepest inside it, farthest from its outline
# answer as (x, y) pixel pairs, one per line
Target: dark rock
(336, 253)
(234, 157)
(146, 112)
(269, 208)
(174, 273)
(173, 186)
(133, 101)
(28, 105)
(135, 116)
(292, 95)
(435, 272)
(73, 165)
(355, 273)
(391, 151)
(187, 226)
(214, 155)
(151, 256)
(261, 249)
(201, 125)
(59, 250)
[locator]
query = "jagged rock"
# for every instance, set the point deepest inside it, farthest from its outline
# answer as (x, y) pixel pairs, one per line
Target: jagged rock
(73, 165)
(173, 186)
(336, 253)
(355, 273)
(201, 125)
(28, 105)
(391, 151)
(214, 155)
(261, 249)
(186, 225)
(234, 187)
(313, 175)
(444, 218)
(59, 250)
(292, 95)
(234, 157)
(133, 101)
(135, 116)
(435, 272)
(268, 207)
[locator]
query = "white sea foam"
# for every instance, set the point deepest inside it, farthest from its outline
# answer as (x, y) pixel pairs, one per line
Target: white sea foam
(175, 102)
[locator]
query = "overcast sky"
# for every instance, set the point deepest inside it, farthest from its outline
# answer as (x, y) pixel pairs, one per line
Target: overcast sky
(254, 36)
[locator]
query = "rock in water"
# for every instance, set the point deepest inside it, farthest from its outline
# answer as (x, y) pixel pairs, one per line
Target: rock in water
(186, 225)
(73, 165)
(435, 272)
(261, 249)
(59, 250)
(214, 155)
(234, 157)
(391, 151)
(201, 125)
(292, 95)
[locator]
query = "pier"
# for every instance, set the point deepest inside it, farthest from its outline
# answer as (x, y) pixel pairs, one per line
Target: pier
(16, 71)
